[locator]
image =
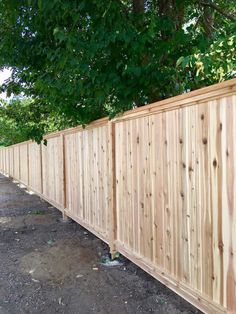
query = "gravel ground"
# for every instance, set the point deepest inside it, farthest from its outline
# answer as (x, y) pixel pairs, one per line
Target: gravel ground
(49, 266)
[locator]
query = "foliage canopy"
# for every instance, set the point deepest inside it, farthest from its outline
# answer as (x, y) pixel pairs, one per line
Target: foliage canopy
(81, 60)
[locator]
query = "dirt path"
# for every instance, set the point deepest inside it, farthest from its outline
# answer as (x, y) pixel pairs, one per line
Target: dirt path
(48, 266)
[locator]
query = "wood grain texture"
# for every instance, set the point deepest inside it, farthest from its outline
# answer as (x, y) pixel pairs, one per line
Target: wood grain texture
(35, 167)
(87, 178)
(52, 171)
(16, 162)
(24, 164)
(178, 182)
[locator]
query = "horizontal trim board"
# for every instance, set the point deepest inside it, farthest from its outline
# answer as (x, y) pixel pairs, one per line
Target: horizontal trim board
(86, 226)
(166, 108)
(190, 295)
(79, 128)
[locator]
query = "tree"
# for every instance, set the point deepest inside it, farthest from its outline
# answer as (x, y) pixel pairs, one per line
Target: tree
(22, 119)
(83, 60)
(216, 64)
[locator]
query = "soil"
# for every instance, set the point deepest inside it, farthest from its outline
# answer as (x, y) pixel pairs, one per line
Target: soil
(49, 266)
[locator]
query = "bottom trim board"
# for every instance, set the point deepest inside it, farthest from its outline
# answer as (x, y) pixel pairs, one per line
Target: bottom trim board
(190, 295)
(86, 226)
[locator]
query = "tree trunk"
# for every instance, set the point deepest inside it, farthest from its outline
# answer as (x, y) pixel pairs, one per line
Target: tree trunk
(138, 6)
(208, 21)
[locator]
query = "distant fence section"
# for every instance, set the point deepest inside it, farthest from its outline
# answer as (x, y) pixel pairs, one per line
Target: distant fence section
(87, 177)
(158, 184)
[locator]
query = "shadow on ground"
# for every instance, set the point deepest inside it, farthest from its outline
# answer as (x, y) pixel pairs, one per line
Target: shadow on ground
(48, 266)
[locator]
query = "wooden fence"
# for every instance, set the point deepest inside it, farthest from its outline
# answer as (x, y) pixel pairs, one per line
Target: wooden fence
(157, 184)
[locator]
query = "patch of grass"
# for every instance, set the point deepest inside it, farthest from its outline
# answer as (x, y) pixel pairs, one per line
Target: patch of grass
(37, 212)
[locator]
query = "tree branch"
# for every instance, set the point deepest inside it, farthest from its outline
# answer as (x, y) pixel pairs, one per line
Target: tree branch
(138, 6)
(218, 9)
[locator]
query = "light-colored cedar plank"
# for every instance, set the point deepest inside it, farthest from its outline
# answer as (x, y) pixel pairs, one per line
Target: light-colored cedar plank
(125, 185)
(192, 170)
(138, 175)
(231, 282)
(198, 205)
(157, 189)
(184, 196)
(175, 185)
(134, 182)
(118, 177)
(228, 233)
(129, 171)
(216, 207)
(141, 192)
(81, 177)
(148, 217)
(122, 183)
(112, 209)
(166, 184)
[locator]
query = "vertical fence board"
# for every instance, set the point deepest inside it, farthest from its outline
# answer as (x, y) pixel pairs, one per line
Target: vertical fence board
(87, 183)
(16, 162)
(24, 164)
(53, 172)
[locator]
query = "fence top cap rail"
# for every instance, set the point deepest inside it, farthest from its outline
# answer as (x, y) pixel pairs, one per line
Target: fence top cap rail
(17, 144)
(171, 103)
(93, 124)
(190, 98)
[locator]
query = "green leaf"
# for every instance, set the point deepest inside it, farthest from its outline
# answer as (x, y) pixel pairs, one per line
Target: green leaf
(40, 4)
(179, 61)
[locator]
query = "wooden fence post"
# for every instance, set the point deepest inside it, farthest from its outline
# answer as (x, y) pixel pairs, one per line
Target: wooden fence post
(41, 166)
(65, 217)
(28, 165)
(112, 189)
(10, 163)
(13, 163)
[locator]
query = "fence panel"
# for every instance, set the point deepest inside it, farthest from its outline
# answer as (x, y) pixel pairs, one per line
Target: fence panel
(53, 171)
(2, 152)
(7, 162)
(11, 161)
(35, 167)
(4, 160)
(1, 159)
(16, 161)
(175, 203)
(24, 164)
(87, 178)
